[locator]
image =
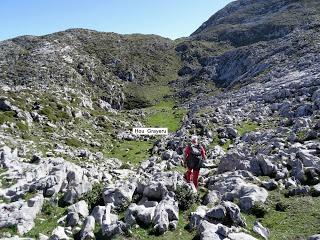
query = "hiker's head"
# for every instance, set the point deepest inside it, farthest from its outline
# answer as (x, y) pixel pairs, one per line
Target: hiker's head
(194, 140)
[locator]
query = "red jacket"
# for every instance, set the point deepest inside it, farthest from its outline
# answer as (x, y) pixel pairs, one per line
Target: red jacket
(188, 149)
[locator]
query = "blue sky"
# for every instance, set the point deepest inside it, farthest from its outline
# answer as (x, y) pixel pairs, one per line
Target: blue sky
(168, 18)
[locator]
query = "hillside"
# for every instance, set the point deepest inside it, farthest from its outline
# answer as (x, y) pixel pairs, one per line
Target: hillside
(88, 59)
(247, 82)
(246, 22)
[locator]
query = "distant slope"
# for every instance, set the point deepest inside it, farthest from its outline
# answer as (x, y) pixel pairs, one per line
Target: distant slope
(245, 22)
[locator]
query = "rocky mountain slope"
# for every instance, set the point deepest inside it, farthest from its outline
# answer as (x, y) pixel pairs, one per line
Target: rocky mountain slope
(246, 82)
(79, 58)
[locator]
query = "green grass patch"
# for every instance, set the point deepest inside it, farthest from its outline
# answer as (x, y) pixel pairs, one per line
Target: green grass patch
(302, 135)
(49, 113)
(247, 127)
(216, 141)
(73, 142)
(22, 127)
(130, 151)
(55, 113)
(145, 96)
(7, 116)
(164, 115)
(300, 219)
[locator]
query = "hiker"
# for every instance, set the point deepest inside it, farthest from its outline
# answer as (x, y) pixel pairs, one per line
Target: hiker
(194, 155)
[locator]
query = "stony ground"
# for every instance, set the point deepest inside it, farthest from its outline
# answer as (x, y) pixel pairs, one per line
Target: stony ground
(262, 168)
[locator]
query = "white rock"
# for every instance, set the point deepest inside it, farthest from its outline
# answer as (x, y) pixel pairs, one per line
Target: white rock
(80, 207)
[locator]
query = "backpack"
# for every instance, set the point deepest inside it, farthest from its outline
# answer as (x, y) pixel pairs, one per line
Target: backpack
(195, 159)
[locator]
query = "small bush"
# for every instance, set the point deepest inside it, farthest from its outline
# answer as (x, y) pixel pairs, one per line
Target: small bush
(259, 210)
(185, 196)
(125, 166)
(302, 135)
(281, 207)
(48, 208)
(26, 136)
(94, 198)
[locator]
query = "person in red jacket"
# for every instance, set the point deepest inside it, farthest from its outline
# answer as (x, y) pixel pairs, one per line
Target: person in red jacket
(194, 155)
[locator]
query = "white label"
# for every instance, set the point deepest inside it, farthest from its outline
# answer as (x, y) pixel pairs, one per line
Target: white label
(150, 131)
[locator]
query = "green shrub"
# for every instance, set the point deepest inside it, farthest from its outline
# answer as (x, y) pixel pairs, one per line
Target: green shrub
(259, 210)
(125, 166)
(281, 207)
(186, 198)
(48, 129)
(48, 208)
(94, 198)
(10, 229)
(302, 135)
(62, 115)
(49, 113)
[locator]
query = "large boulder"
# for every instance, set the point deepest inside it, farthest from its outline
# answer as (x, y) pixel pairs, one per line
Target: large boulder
(166, 211)
(75, 192)
(80, 207)
(166, 155)
(270, 184)
(111, 226)
(142, 214)
(155, 191)
(59, 234)
(232, 161)
(5, 105)
(233, 185)
(308, 159)
(232, 133)
(217, 213)
(233, 214)
(251, 194)
(261, 230)
(72, 219)
(87, 231)
(119, 197)
(212, 197)
(98, 213)
(197, 216)
(297, 169)
(7, 155)
(21, 213)
(210, 231)
(316, 236)
(267, 167)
